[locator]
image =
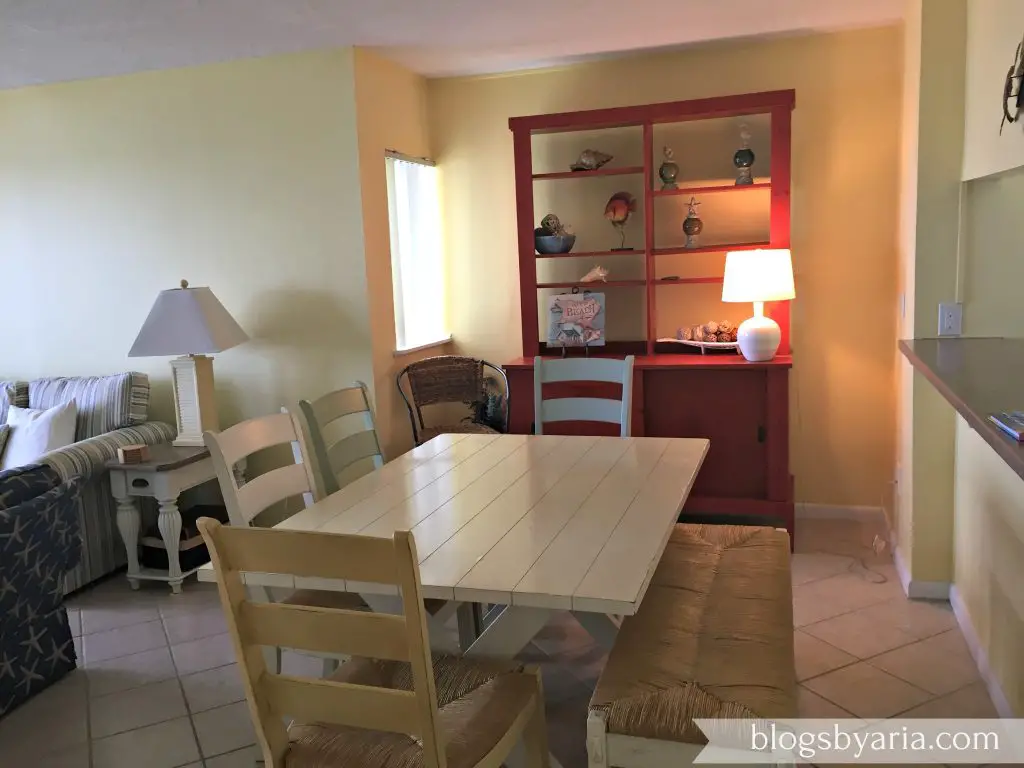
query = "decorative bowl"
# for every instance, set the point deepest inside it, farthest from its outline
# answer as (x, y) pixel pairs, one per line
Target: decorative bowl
(548, 244)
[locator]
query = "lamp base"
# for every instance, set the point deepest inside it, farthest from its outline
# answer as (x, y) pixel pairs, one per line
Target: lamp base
(195, 408)
(759, 338)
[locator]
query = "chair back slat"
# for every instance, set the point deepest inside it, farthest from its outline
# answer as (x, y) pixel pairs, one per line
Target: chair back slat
(581, 409)
(350, 633)
(331, 457)
(316, 555)
(357, 706)
(583, 369)
(248, 437)
(272, 697)
(270, 488)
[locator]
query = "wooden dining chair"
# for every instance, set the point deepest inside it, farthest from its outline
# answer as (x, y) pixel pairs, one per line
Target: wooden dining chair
(583, 369)
(244, 503)
(391, 704)
(339, 459)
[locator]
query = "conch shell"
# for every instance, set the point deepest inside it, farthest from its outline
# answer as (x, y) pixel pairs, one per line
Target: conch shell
(597, 273)
(590, 160)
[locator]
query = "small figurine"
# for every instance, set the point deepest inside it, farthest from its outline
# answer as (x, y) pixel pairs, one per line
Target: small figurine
(617, 211)
(597, 273)
(669, 170)
(590, 160)
(692, 225)
(744, 158)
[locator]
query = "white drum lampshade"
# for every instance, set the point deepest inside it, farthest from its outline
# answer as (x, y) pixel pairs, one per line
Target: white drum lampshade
(189, 322)
(758, 276)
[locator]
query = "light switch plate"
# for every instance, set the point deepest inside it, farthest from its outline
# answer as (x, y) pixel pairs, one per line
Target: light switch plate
(951, 319)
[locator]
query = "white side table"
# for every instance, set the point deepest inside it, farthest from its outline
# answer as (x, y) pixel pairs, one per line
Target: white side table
(169, 471)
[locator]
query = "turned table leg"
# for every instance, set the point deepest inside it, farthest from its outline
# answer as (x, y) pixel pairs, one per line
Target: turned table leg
(128, 522)
(169, 523)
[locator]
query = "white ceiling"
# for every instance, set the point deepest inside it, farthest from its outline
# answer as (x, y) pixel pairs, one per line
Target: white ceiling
(51, 40)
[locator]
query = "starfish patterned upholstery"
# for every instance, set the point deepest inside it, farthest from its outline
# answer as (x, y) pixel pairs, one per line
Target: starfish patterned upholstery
(40, 541)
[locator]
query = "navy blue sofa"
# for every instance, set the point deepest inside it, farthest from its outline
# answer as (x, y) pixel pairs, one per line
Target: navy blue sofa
(40, 541)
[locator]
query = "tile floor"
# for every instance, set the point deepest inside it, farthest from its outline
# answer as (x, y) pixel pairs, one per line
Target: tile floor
(157, 685)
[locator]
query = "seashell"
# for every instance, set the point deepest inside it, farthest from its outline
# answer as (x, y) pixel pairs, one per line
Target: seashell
(590, 160)
(597, 273)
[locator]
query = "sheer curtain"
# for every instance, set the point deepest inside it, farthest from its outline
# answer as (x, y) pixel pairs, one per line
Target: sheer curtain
(417, 268)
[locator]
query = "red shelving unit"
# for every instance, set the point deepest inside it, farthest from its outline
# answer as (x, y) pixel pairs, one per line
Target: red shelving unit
(743, 408)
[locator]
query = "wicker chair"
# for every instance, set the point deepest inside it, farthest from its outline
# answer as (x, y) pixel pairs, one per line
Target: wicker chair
(449, 379)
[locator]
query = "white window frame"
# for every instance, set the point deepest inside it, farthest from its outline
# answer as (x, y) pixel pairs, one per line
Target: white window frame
(417, 252)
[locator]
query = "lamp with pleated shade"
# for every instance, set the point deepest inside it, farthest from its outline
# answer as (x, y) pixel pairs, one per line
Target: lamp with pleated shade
(758, 276)
(191, 323)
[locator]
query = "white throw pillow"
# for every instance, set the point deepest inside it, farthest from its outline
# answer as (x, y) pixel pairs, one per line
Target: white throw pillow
(35, 432)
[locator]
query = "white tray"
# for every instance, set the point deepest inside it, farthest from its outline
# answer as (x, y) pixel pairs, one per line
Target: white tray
(704, 345)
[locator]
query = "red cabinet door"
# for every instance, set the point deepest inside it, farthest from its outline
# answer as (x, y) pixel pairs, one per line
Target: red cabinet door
(729, 407)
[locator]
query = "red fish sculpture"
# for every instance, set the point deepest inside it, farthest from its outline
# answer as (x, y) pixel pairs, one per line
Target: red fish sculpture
(617, 211)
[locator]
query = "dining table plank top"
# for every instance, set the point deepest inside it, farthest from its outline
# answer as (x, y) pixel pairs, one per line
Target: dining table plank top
(549, 521)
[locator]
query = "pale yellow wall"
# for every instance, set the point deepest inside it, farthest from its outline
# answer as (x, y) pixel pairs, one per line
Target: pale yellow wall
(990, 557)
(391, 113)
(846, 156)
(240, 176)
(994, 29)
(934, 82)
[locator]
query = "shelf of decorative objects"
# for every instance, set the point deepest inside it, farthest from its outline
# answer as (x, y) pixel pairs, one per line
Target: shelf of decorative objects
(720, 248)
(704, 346)
(596, 285)
(623, 171)
(591, 254)
(712, 188)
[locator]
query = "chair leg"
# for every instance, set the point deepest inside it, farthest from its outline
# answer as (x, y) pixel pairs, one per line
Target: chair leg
(535, 735)
(597, 741)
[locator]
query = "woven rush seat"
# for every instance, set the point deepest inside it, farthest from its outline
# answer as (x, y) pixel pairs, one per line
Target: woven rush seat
(477, 701)
(713, 639)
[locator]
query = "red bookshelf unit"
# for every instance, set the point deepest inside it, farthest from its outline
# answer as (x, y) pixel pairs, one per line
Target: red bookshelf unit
(657, 283)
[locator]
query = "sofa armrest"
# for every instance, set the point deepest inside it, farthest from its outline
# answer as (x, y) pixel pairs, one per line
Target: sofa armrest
(88, 458)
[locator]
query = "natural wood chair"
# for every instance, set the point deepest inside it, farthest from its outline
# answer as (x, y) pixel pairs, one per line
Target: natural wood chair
(448, 379)
(244, 503)
(392, 704)
(583, 369)
(337, 462)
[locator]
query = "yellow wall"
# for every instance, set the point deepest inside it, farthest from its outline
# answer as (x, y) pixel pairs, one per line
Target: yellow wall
(993, 33)
(846, 141)
(391, 111)
(241, 176)
(990, 557)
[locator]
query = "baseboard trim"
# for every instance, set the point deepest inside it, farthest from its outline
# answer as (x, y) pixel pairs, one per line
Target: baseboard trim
(917, 589)
(995, 691)
(836, 512)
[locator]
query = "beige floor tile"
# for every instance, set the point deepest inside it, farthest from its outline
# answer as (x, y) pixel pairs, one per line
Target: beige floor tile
(242, 758)
(836, 595)
(810, 704)
(123, 641)
(72, 757)
(808, 567)
(186, 626)
(866, 691)
(213, 688)
(859, 634)
(918, 618)
(28, 733)
(941, 664)
(301, 664)
(815, 657)
(224, 729)
(207, 653)
(970, 702)
(127, 672)
(101, 619)
(139, 707)
(164, 745)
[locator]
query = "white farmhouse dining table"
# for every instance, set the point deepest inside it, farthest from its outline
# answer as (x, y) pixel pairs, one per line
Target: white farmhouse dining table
(531, 524)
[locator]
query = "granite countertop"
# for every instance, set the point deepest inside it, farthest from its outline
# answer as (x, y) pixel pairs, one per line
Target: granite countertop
(977, 377)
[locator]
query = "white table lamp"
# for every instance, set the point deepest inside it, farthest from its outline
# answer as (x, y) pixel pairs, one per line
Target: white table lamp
(190, 322)
(758, 276)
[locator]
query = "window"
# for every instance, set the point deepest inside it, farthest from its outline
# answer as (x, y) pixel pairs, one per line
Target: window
(417, 260)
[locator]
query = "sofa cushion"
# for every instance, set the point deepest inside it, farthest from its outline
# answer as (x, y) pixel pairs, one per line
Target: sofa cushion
(104, 403)
(25, 483)
(12, 393)
(36, 433)
(34, 654)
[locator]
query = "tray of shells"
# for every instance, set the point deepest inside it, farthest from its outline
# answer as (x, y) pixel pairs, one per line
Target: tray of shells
(711, 335)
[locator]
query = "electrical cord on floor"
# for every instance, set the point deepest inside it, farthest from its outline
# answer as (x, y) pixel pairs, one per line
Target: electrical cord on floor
(859, 566)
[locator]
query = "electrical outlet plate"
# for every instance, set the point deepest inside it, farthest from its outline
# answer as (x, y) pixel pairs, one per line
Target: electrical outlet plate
(951, 319)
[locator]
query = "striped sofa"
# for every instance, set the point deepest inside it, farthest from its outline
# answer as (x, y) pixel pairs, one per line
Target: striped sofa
(112, 412)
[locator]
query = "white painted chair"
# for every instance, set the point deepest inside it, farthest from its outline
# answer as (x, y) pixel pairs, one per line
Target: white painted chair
(382, 707)
(228, 448)
(583, 369)
(338, 460)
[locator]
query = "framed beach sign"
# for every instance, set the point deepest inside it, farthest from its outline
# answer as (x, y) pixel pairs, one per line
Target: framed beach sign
(576, 320)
